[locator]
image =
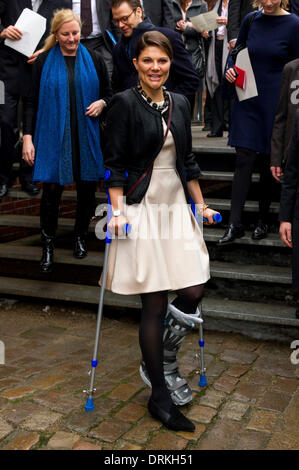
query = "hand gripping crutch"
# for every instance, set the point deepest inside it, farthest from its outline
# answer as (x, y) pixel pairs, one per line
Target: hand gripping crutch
(201, 359)
(90, 404)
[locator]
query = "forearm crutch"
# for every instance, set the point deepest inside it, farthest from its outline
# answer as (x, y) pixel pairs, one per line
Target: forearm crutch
(90, 404)
(201, 359)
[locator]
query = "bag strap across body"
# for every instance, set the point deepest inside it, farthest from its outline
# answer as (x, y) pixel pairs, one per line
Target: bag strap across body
(164, 140)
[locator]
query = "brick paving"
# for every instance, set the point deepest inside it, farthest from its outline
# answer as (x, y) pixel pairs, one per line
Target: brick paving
(251, 402)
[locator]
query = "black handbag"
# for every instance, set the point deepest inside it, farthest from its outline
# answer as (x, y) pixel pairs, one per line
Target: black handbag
(198, 59)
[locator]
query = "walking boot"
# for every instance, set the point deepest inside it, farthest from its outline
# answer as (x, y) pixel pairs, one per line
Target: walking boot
(177, 326)
(46, 262)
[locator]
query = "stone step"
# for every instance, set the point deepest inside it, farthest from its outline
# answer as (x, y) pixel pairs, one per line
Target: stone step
(211, 234)
(212, 308)
(256, 273)
(223, 176)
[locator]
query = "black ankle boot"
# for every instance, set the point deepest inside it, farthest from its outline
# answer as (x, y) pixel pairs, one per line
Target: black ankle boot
(80, 250)
(233, 232)
(172, 419)
(46, 262)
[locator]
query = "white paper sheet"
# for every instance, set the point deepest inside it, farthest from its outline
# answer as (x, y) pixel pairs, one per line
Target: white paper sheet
(244, 63)
(33, 27)
(205, 21)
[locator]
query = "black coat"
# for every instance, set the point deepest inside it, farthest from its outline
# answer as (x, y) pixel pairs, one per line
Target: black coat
(160, 12)
(285, 113)
(14, 70)
(294, 6)
(139, 140)
(182, 78)
(237, 10)
(290, 185)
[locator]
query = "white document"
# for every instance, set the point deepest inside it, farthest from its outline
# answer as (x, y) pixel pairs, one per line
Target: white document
(244, 63)
(205, 21)
(33, 27)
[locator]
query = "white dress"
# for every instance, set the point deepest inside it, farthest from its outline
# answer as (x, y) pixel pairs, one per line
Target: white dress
(165, 249)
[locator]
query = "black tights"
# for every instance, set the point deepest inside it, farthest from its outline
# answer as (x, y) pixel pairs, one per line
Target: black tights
(154, 308)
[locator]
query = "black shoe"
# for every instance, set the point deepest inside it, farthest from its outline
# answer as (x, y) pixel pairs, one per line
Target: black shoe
(231, 234)
(80, 250)
(46, 262)
(215, 134)
(206, 128)
(4, 188)
(260, 231)
(297, 314)
(173, 419)
(30, 188)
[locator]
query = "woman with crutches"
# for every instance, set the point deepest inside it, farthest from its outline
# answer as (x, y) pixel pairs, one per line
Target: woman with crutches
(148, 159)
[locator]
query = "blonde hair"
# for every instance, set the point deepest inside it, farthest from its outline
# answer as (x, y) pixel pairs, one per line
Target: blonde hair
(60, 17)
(283, 4)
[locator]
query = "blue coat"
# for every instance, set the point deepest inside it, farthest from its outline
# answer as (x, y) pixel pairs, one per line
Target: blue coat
(183, 77)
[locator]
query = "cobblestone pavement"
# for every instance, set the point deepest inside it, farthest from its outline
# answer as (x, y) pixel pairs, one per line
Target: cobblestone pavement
(251, 402)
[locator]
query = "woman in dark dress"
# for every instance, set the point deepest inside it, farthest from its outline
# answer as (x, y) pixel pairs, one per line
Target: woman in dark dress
(272, 39)
(70, 90)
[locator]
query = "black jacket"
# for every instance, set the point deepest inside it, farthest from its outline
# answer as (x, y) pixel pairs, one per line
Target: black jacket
(160, 12)
(183, 77)
(14, 70)
(290, 184)
(285, 114)
(134, 138)
(237, 10)
(294, 6)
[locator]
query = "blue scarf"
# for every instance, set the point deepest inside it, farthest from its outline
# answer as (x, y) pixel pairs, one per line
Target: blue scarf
(52, 141)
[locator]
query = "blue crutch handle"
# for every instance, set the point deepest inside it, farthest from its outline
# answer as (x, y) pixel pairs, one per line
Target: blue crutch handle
(216, 217)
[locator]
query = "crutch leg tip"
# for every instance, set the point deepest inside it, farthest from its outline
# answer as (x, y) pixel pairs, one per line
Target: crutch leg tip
(89, 405)
(202, 381)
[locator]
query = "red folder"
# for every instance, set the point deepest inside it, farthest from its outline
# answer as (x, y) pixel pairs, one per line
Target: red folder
(241, 78)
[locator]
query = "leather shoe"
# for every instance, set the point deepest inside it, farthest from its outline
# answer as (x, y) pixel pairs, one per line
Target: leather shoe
(215, 134)
(206, 128)
(173, 419)
(297, 313)
(4, 188)
(80, 250)
(30, 188)
(231, 234)
(260, 231)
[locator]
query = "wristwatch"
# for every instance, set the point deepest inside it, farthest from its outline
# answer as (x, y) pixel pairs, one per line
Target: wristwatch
(117, 213)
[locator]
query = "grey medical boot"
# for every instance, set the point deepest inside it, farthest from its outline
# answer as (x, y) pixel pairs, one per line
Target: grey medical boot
(177, 326)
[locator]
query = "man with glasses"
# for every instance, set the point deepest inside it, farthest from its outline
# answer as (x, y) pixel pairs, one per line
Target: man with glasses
(15, 73)
(128, 16)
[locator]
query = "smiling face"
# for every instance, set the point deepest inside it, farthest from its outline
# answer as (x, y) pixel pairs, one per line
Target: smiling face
(153, 66)
(270, 7)
(126, 18)
(68, 37)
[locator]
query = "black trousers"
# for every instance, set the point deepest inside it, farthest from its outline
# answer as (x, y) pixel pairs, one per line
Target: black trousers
(295, 251)
(50, 201)
(218, 103)
(245, 163)
(8, 125)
